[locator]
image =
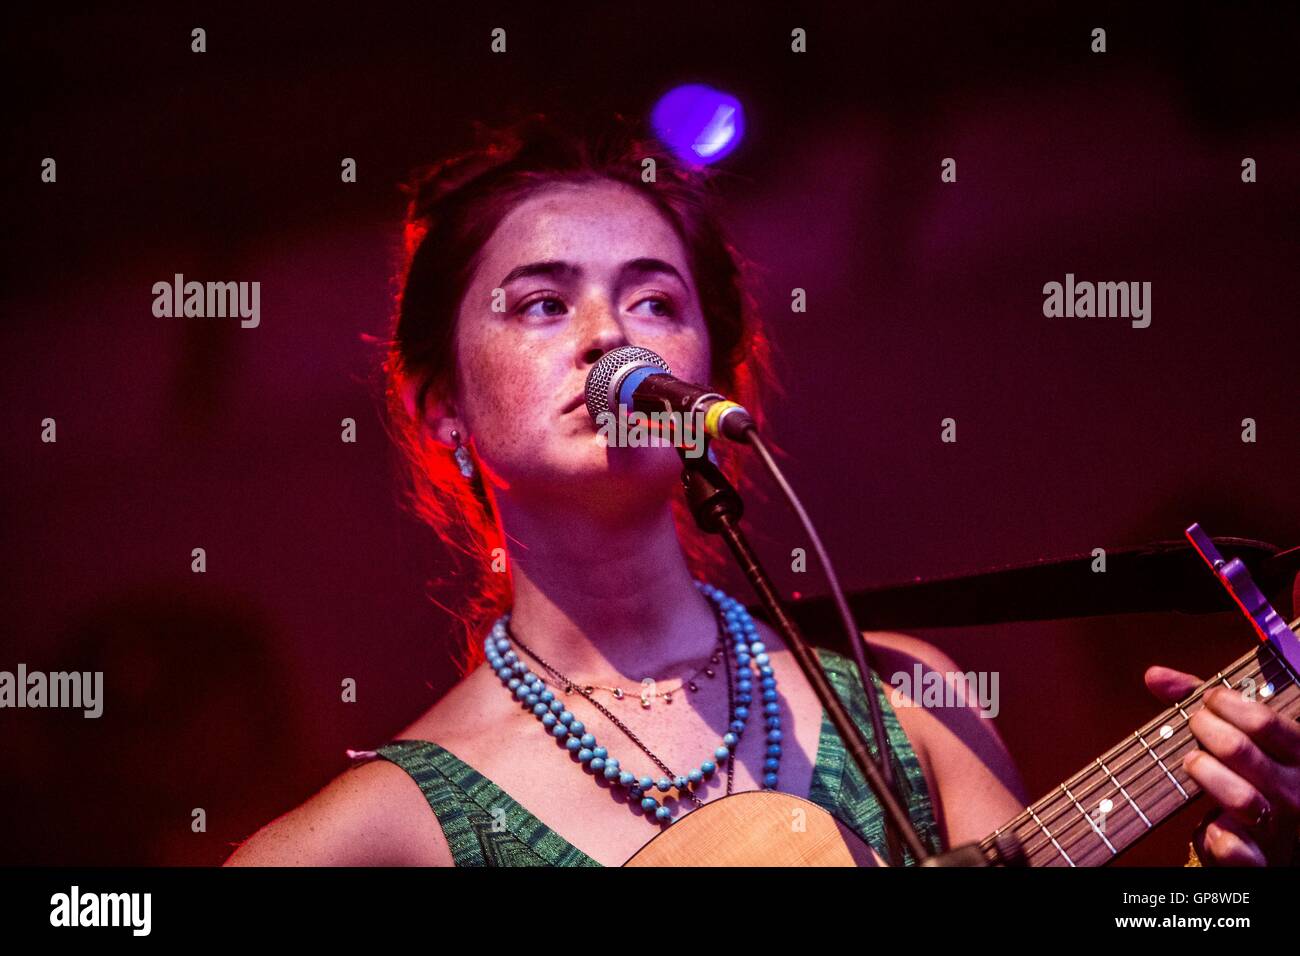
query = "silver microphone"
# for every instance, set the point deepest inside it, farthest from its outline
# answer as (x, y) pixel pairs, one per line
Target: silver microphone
(641, 380)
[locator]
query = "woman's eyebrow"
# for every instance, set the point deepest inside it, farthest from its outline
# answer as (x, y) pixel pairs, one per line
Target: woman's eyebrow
(547, 268)
(650, 266)
(558, 269)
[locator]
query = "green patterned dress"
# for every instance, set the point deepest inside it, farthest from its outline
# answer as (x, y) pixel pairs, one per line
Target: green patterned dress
(462, 799)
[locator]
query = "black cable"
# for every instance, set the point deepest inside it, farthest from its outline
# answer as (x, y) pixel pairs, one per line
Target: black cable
(858, 645)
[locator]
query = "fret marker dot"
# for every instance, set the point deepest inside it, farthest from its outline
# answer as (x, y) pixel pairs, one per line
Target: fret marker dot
(1105, 806)
(1166, 732)
(1266, 690)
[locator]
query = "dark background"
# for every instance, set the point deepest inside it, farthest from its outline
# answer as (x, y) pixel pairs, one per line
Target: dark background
(925, 302)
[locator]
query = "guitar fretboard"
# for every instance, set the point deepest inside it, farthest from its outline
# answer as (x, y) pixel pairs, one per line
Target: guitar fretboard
(1128, 791)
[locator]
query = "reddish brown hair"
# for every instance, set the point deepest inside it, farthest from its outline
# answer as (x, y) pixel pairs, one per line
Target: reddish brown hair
(454, 207)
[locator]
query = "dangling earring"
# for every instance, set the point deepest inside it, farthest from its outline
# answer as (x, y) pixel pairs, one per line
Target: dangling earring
(462, 456)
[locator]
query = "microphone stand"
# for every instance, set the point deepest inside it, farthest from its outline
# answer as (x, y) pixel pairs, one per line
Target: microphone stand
(717, 508)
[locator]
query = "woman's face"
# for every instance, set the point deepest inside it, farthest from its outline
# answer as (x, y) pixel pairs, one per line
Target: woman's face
(583, 269)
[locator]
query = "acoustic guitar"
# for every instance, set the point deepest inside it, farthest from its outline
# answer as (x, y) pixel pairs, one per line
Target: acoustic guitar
(1088, 820)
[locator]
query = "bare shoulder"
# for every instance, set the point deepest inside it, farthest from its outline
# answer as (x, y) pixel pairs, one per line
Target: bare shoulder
(475, 701)
(943, 720)
(372, 814)
(892, 654)
(899, 653)
(973, 779)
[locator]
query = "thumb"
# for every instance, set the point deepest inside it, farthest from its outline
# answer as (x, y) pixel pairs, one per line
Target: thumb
(1169, 685)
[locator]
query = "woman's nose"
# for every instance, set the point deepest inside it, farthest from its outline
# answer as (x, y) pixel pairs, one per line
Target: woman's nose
(604, 333)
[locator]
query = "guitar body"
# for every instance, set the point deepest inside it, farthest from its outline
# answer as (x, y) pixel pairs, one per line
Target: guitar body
(757, 828)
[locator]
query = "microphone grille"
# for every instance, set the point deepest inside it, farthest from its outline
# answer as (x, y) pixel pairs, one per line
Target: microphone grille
(601, 377)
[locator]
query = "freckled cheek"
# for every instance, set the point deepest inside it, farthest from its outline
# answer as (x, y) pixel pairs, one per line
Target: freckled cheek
(491, 391)
(499, 379)
(688, 356)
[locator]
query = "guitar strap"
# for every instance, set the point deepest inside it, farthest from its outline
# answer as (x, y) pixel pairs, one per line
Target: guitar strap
(1158, 577)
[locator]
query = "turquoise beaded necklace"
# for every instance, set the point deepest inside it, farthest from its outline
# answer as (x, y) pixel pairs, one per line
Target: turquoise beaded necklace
(751, 659)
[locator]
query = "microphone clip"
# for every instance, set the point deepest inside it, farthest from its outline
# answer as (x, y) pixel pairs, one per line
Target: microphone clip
(713, 501)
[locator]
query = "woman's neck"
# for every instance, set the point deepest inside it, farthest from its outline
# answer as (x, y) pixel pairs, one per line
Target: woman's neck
(600, 599)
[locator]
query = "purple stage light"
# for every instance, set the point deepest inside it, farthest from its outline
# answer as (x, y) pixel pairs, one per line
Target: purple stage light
(698, 123)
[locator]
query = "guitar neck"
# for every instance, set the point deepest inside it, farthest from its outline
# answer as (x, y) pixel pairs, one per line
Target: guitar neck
(1140, 782)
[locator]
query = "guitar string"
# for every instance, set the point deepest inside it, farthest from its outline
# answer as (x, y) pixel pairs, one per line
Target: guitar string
(1114, 778)
(1140, 755)
(1158, 774)
(1058, 804)
(1157, 778)
(1250, 659)
(1245, 661)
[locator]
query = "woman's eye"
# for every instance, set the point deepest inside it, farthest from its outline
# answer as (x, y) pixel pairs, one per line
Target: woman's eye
(550, 307)
(660, 307)
(530, 309)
